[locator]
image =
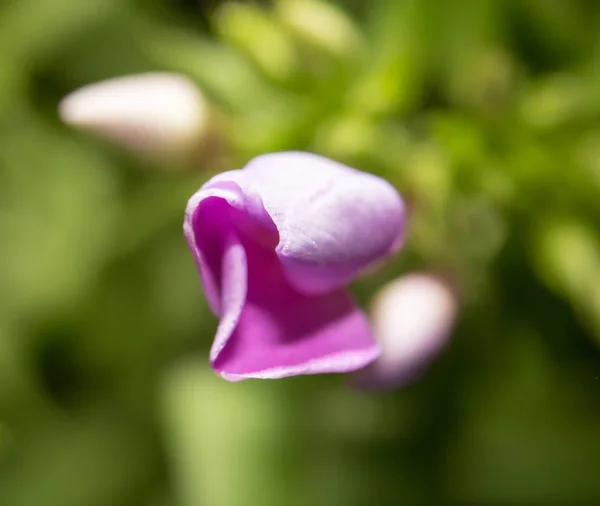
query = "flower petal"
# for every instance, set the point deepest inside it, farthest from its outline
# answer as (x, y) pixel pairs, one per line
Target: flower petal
(268, 329)
(333, 221)
(208, 219)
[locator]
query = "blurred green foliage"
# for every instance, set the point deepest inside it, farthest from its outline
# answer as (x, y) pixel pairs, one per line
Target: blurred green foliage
(484, 113)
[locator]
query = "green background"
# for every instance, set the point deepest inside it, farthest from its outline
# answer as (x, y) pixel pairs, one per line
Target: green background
(484, 114)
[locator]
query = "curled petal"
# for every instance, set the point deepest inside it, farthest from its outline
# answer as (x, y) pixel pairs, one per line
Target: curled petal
(412, 319)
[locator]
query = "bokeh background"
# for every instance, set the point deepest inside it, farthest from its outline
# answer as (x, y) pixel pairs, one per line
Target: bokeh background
(486, 116)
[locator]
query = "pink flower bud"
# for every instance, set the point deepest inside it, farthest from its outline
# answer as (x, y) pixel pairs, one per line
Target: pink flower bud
(276, 244)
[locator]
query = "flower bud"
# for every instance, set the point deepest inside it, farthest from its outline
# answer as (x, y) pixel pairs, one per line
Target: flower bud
(412, 318)
(157, 116)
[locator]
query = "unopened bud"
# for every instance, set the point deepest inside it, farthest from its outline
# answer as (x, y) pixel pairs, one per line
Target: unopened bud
(157, 116)
(412, 318)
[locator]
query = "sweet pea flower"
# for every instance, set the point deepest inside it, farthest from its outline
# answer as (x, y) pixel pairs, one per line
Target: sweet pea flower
(276, 244)
(153, 115)
(412, 319)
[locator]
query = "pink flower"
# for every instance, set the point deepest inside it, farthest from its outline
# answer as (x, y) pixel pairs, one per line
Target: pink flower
(412, 320)
(276, 244)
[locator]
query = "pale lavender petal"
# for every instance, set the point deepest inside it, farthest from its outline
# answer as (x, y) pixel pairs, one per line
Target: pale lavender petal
(412, 320)
(333, 221)
(268, 329)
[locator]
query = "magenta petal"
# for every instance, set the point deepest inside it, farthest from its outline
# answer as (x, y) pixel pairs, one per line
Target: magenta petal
(275, 331)
(268, 329)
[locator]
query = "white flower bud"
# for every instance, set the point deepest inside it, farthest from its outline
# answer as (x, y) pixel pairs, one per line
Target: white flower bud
(154, 115)
(412, 318)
